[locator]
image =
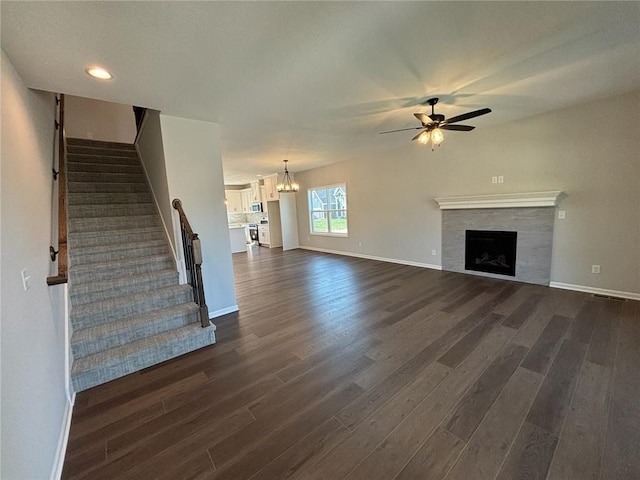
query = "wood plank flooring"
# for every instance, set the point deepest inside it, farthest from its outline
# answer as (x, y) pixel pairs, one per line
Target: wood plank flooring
(343, 368)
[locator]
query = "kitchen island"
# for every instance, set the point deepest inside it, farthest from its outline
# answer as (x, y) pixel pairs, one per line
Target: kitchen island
(238, 237)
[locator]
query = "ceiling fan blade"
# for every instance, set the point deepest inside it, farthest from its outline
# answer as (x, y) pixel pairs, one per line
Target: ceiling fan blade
(466, 116)
(403, 130)
(460, 128)
(423, 117)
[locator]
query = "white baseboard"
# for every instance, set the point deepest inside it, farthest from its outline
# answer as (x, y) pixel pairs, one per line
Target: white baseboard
(58, 463)
(597, 291)
(373, 257)
(223, 311)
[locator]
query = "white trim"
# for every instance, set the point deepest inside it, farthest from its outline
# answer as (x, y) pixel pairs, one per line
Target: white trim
(501, 200)
(223, 311)
(373, 257)
(155, 200)
(58, 462)
(598, 291)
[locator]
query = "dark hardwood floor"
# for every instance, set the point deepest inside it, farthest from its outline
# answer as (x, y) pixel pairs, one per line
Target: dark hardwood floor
(337, 367)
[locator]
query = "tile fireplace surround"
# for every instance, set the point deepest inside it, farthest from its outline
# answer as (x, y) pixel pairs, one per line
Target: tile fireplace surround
(531, 214)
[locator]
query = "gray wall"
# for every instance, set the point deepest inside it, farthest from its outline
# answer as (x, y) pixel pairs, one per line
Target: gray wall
(149, 145)
(194, 175)
(591, 151)
(33, 398)
(110, 122)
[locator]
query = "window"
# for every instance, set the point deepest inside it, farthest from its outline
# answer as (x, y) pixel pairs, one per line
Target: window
(328, 210)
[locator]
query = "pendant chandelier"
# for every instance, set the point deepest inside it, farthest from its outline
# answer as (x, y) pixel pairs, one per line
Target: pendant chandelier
(287, 185)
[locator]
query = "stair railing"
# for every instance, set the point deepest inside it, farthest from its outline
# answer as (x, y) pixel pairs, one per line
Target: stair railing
(193, 262)
(61, 177)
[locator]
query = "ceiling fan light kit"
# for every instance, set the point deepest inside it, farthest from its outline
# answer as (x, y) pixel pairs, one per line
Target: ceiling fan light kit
(432, 125)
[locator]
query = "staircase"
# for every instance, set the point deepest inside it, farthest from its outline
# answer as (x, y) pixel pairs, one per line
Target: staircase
(128, 310)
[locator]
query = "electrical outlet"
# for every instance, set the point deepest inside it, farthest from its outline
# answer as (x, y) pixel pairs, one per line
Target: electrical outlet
(561, 214)
(26, 279)
(90, 135)
(433, 252)
(494, 179)
(360, 244)
(595, 269)
(308, 239)
(500, 179)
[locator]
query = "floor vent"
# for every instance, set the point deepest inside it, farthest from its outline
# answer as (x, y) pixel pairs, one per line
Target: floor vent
(609, 297)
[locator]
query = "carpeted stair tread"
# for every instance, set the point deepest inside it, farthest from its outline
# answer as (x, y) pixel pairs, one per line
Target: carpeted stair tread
(95, 167)
(135, 250)
(106, 187)
(88, 177)
(115, 236)
(89, 224)
(93, 198)
(104, 152)
(117, 362)
(101, 159)
(93, 272)
(97, 291)
(127, 306)
(89, 341)
(111, 210)
(116, 247)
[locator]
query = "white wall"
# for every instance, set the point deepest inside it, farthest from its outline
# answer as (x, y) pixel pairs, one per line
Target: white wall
(33, 400)
(149, 145)
(194, 175)
(591, 151)
(110, 122)
(289, 221)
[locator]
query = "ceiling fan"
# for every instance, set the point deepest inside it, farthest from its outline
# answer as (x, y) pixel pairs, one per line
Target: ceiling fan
(432, 125)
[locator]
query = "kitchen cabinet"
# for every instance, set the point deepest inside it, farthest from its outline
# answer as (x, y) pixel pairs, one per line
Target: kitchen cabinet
(234, 201)
(263, 195)
(271, 188)
(264, 236)
(247, 200)
(255, 192)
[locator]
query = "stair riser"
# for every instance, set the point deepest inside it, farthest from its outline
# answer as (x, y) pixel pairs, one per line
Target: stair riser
(107, 177)
(88, 142)
(119, 338)
(119, 210)
(98, 187)
(103, 152)
(142, 359)
(114, 237)
(113, 256)
(101, 168)
(97, 292)
(111, 223)
(108, 198)
(100, 160)
(152, 303)
(77, 276)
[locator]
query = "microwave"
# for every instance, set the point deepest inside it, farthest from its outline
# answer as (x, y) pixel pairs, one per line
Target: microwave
(256, 207)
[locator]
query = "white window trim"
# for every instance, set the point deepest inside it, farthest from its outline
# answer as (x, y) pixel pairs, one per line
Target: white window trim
(310, 212)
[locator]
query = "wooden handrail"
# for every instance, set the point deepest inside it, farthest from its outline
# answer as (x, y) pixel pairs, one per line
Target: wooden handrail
(193, 262)
(61, 177)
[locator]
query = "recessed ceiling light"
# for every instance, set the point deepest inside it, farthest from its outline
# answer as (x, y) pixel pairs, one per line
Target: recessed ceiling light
(99, 72)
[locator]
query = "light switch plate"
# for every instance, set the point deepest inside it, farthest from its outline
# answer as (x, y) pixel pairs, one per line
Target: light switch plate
(561, 214)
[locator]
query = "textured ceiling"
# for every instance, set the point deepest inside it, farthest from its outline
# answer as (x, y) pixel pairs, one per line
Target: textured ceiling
(315, 82)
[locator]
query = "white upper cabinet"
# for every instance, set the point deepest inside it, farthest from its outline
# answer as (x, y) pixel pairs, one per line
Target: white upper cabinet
(234, 201)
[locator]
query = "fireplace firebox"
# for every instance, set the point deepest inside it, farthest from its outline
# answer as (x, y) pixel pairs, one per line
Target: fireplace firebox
(491, 251)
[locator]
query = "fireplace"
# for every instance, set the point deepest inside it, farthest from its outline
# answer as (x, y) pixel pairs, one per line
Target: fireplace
(491, 251)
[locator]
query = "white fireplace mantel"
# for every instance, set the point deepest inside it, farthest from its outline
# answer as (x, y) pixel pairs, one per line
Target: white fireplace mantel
(501, 200)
